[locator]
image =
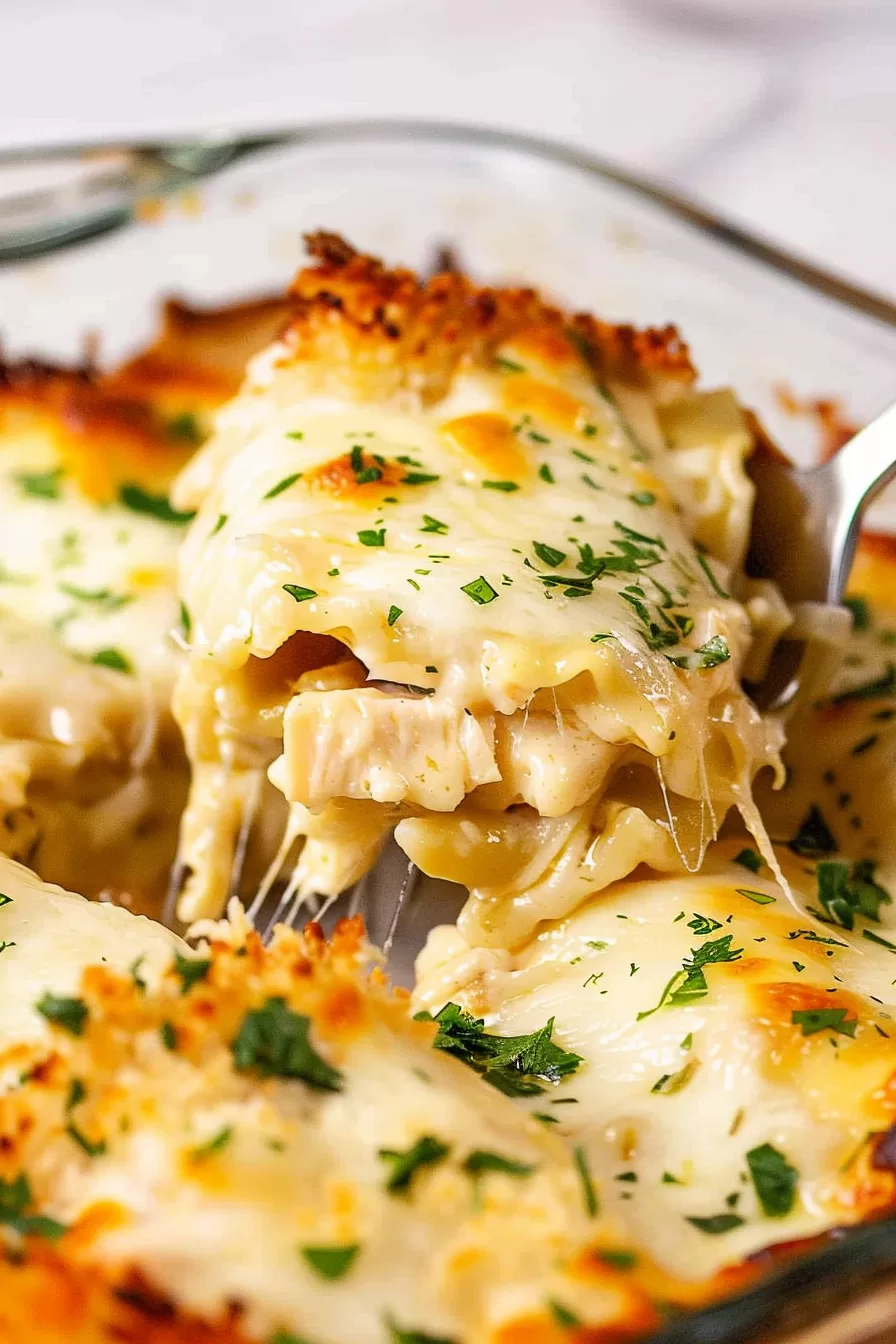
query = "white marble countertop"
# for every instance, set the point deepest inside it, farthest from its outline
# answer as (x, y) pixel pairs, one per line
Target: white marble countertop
(784, 120)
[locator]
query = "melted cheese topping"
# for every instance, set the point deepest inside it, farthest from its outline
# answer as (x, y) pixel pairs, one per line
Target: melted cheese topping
(676, 1091)
(227, 1186)
(509, 571)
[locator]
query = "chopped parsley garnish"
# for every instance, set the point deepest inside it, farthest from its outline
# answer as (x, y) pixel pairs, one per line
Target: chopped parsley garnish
(717, 1224)
(15, 1199)
(40, 484)
(589, 1194)
(546, 474)
(714, 583)
(814, 836)
(876, 938)
(508, 365)
(86, 1145)
(398, 1334)
(548, 554)
(516, 1065)
(186, 620)
(711, 654)
(481, 1160)
(433, 525)
(702, 924)
(424, 478)
(403, 1166)
(330, 1262)
(616, 1259)
(191, 970)
(507, 486)
(70, 1014)
(138, 500)
(643, 497)
(689, 984)
(216, 1144)
(184, 428)
(479, 591)
(273, 1042)
(860, 611)
(112, 658)
(220, 524)
(372, 536)
(168, 1033)
(100, 597)
(566, 1319)
(278, 489)
(812, 1020)
(844, 893)
(295, 434)
(748, 858)
(757, 897)
(670, 1083)
(298, 592)
(364, 474)
(394, 613)
(775, 1180)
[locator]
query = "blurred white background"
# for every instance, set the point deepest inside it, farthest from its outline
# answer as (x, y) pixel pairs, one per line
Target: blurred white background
(779, 113)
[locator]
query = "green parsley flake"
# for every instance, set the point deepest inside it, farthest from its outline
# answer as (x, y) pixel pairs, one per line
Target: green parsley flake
(433, 525)
(403, 1166)
(372, 536)
(481, 1160)
(420, 478)
(670, 1083)
(814, 836)
(748, 858)
(191, 970)
(774, 1179)
(394, 613)
(813, 1020)
(70, 1014)
(757, 897)
(168, 1033)
(479, 591)
(184, 428)
(589, 1194)
(714, 583)
(508, 365)
(300, 594)
(330, 1262)
(273, 1043)
(518, 1066)
(186, 620)
(216, 1144)
(112, 658)
(138, 500)
(643, 497)
(876, 938)
(507, 486)
(15, 1199)
(546, 474)
(295, 434)
(86, 1145)
(40, 484)
(220, 524)
(278, 489)
(717, 1224)
(399, 1334)
(689, 984)
(549, 555)
(566, 1319)
(99, 597)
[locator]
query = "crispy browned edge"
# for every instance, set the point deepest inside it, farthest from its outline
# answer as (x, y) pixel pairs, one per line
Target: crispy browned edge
(410, 333)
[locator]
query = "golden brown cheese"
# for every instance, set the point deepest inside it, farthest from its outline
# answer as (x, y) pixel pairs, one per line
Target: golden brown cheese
(93, 771)
(253, 1141)
(487, 546)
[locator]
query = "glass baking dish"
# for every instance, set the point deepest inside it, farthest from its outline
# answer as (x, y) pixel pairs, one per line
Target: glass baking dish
(511, 209)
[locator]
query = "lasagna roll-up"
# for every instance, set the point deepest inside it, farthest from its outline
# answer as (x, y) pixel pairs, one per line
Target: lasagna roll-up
(92, 769)
(462, 569)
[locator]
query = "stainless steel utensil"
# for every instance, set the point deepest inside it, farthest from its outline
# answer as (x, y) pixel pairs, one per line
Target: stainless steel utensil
(805, 528)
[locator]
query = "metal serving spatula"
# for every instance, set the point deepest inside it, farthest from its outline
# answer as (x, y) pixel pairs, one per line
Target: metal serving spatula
(805, 528)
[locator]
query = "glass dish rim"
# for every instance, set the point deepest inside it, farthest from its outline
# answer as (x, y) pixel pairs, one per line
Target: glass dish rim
(859, 1258)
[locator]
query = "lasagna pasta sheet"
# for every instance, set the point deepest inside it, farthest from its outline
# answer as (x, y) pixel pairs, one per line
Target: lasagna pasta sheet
(462, 566)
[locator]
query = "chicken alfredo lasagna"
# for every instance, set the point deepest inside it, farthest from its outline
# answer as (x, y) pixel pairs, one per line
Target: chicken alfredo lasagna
(467, 568)
(92, 769)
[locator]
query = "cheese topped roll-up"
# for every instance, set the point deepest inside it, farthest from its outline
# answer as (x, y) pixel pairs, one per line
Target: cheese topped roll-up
(245, 1144)
(92, 770)
(462, 568)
